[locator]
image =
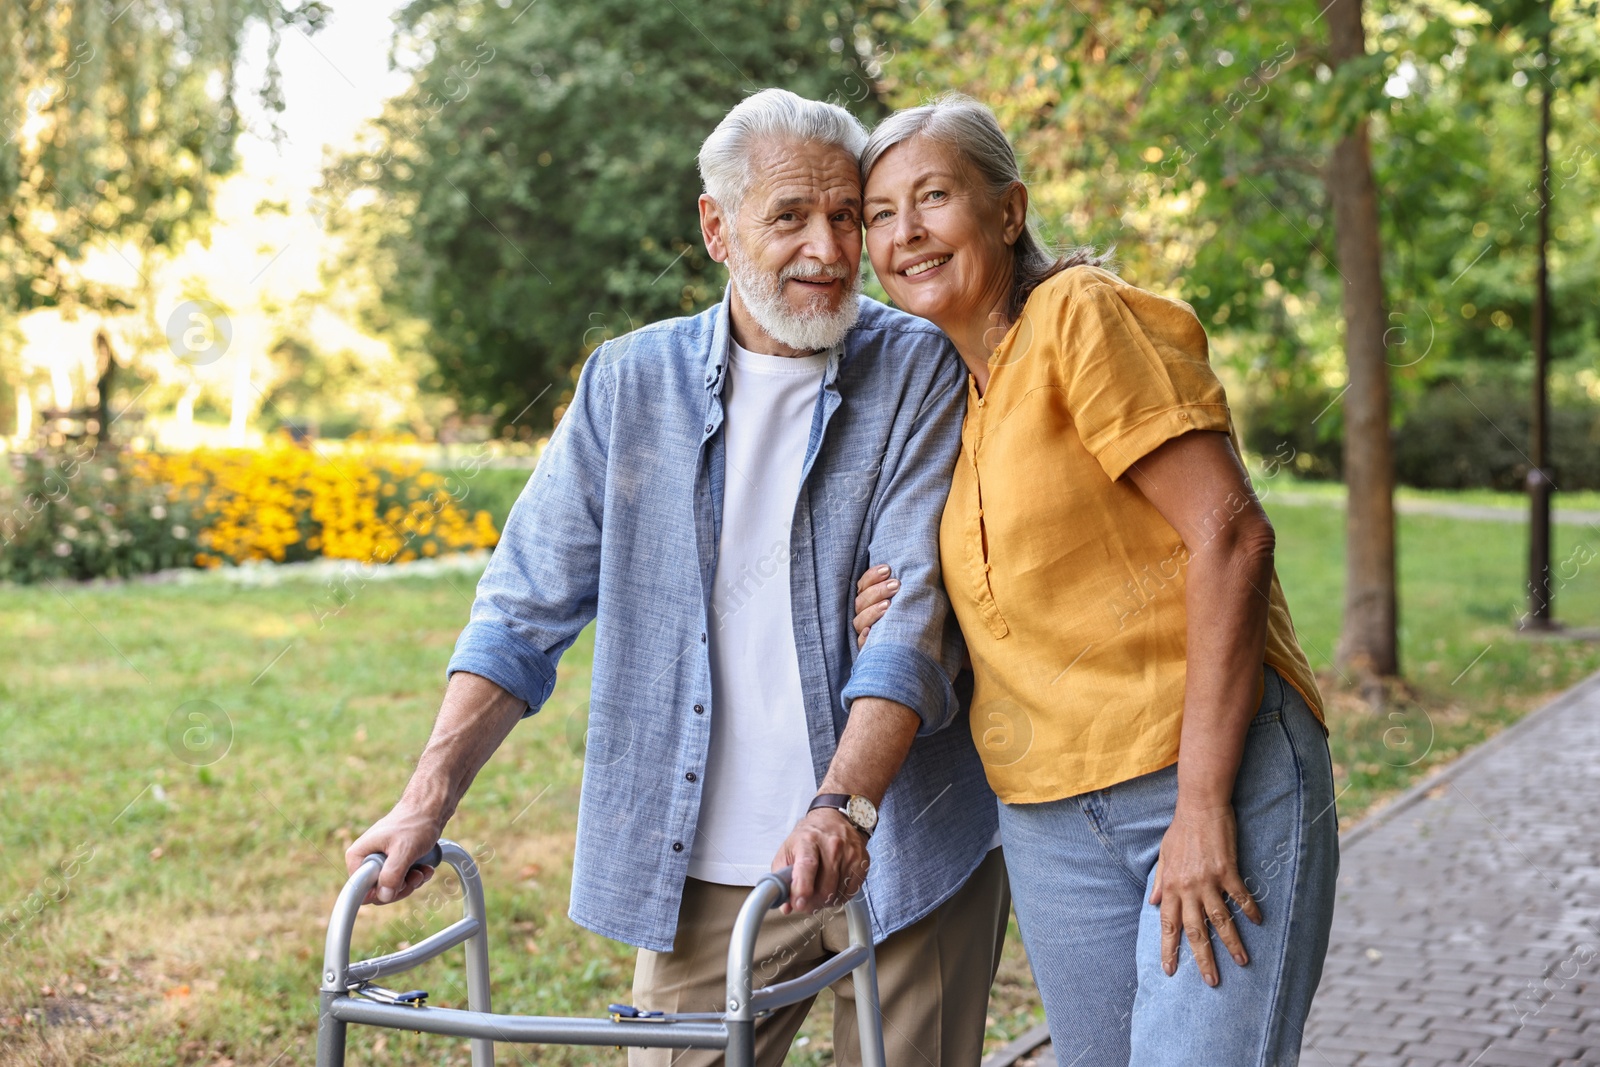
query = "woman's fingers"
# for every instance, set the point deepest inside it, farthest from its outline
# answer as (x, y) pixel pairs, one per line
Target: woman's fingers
(1221, 920)
(1171, 931)
(1194, 928)
(864, 620)
(876, 593)
(861, 638)
(1240, 894)
(1192, 915)
(871, 576)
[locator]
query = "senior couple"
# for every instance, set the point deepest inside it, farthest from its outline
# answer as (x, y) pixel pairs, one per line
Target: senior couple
(801, 516)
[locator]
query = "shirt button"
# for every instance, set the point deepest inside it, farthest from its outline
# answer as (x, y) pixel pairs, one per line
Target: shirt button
(708, 427)
(677, 846)
(702, 639)
(1183, 416)
(690, 777)
(699, 709)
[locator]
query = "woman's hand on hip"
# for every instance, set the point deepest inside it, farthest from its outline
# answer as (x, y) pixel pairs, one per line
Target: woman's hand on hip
(1197, 875)
(873, 593)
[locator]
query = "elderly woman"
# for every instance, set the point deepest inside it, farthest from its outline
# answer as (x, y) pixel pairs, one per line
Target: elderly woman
(1142, 706)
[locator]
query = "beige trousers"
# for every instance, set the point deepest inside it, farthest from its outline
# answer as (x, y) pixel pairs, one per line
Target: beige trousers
(933, 976)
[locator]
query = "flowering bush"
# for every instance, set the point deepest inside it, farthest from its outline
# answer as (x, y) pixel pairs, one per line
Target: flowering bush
(79, 515)
(76, 514)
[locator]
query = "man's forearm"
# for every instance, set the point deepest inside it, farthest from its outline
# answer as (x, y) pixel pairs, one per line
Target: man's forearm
(474, 718)
(872, 748)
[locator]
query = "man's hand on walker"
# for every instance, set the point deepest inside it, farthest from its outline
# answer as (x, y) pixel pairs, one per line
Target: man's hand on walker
(830, 861)
(1197, 876)
(873, 593)
(404, 834)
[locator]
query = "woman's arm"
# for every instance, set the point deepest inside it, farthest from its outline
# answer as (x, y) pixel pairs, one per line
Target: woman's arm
(1198, 484)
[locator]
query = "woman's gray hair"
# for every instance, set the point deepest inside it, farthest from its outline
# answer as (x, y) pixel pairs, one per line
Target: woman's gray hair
(770, 115)
(965, 126)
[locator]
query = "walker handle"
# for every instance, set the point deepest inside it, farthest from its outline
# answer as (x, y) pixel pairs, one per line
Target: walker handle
(431, 858)
(784, 876)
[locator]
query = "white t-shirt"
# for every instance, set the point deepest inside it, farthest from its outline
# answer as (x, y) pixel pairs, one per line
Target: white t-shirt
(758, 778)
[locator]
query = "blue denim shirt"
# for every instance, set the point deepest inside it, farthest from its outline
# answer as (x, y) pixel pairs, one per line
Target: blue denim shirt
(621, 522)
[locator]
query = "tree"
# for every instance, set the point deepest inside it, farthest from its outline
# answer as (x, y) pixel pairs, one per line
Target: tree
(1325, 185)
(117, 121)
(1369, 635)
(533, 193)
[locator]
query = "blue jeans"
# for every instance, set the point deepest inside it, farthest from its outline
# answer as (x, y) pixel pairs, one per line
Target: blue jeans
(1082, 870)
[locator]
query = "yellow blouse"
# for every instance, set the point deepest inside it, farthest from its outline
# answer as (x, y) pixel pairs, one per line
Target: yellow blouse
(1067, 582)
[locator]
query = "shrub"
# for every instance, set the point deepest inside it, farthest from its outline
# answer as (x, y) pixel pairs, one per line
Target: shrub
(1299, 421)
(79, 515)
(1467, 437)
(1477, 437)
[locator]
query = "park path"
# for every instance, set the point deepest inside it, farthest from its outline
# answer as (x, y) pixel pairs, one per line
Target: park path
(1467, 928)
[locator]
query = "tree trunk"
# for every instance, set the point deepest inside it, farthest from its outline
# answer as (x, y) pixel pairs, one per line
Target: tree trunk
(1367, 643)
(105, 378)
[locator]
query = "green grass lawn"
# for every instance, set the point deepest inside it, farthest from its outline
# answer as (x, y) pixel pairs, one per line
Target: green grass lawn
(158, 911)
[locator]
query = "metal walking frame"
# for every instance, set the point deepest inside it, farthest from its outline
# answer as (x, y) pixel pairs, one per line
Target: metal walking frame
(348, 994)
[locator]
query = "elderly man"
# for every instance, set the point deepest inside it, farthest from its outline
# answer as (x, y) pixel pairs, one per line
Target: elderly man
(709, 496)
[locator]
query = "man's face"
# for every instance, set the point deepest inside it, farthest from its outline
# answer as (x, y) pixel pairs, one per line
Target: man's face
(794, 248)
(802, 216)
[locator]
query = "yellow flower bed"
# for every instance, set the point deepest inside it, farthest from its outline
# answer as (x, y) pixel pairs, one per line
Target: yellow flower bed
(285, 503)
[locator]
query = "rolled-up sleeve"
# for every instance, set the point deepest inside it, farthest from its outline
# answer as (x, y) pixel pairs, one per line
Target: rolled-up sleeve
(541, 586)
(915, 650)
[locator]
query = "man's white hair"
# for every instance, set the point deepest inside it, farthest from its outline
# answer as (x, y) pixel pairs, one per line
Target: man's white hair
(770, 115)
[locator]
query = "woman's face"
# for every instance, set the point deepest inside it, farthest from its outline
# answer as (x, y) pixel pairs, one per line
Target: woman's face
(939, 244)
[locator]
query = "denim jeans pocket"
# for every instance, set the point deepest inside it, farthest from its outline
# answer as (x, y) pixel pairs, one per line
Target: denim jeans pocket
(1272, 698)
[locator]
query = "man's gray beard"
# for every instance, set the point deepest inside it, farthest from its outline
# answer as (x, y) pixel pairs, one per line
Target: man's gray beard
(762, 293)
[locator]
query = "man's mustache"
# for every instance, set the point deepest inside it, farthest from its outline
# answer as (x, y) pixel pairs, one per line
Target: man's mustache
(835, 273)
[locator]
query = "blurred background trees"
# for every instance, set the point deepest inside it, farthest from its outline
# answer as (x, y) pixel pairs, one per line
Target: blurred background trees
(533, 192)
(528, 189)
(117, 121)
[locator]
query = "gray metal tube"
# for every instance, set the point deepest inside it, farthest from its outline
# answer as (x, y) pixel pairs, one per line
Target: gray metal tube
(336, 949)
(768, 892)
(336, 969)
(530, 1029)
(771, 890)
(477, 945)
(811, 983)
(869, 1016)
(330, 1031)
(418, 954)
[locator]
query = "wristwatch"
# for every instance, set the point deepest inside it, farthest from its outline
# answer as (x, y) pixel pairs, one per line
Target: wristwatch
(861, 812)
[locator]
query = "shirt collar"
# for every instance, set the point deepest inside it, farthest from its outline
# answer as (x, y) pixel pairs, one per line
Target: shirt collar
(722, 347)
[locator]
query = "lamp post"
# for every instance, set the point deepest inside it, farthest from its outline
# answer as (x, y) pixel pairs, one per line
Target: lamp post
(1540, 592)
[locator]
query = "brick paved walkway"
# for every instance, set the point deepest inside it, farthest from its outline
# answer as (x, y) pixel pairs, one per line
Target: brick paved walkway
(1468, 921)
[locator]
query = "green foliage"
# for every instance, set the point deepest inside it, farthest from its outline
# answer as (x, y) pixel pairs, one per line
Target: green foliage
(1476, 437)
(116, 119)
(1194, 136)
(533, 193)
(491, 489)
(76, 514)
(1452, 436)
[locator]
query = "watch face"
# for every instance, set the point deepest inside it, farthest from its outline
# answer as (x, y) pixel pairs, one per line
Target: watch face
(861, 812)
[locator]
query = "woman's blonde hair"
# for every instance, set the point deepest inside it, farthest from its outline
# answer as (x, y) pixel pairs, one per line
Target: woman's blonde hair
(970, 129)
